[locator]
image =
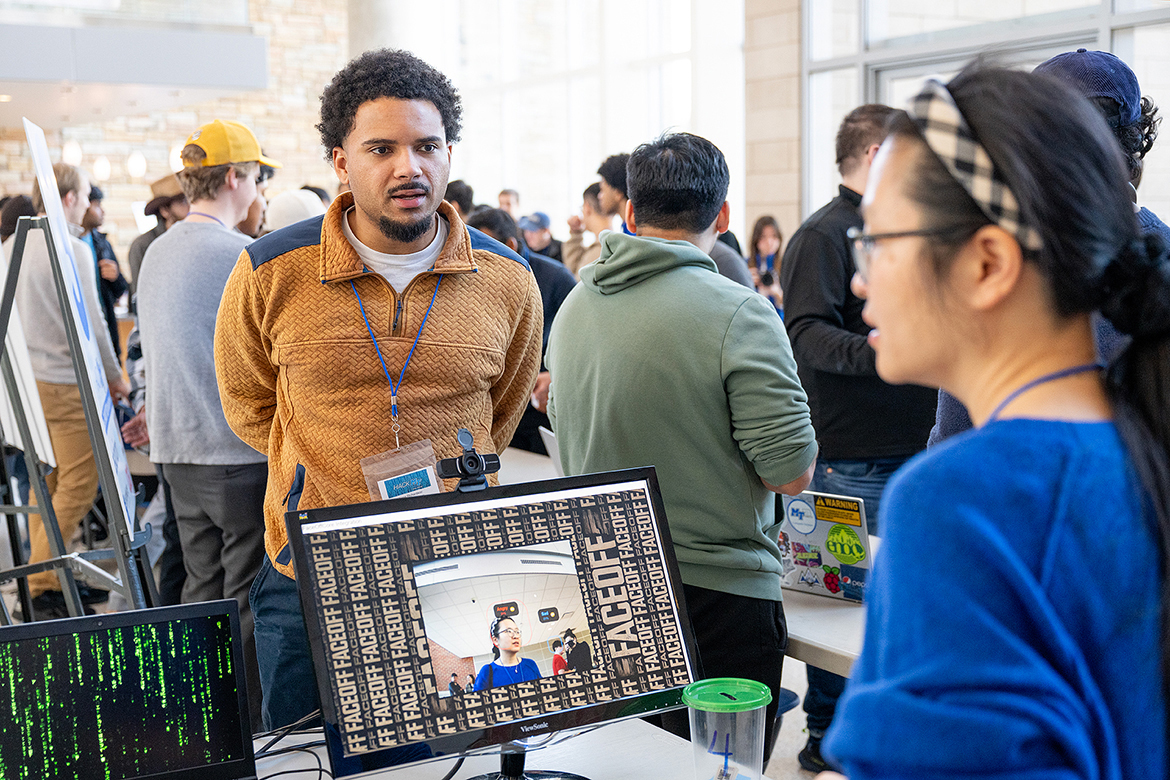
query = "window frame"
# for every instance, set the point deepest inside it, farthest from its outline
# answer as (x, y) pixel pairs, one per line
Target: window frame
(1093, 27)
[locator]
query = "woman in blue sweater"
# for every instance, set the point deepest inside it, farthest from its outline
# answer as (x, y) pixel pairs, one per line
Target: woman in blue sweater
(507, 667)
(1017, 613)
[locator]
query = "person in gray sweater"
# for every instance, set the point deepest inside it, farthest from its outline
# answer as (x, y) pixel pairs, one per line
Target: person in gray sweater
(216, 481)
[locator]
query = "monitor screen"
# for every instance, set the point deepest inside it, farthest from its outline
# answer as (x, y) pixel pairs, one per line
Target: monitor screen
(148, 693)
(459, 621)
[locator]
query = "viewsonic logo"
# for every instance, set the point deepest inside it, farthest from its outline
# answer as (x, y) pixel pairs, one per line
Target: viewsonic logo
(534, 727)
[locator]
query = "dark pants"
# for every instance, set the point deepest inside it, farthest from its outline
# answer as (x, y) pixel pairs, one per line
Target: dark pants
(220, 514)
(171, 574)
(286, 663)
(737, 636)
(18, 470)
(857, 479)
(527, 435)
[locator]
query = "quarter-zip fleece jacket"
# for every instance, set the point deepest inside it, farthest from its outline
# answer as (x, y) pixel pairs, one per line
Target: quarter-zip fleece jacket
(657, 360)
(300, 379)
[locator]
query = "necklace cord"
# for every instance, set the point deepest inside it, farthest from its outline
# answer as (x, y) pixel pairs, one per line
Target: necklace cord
(1051, 377)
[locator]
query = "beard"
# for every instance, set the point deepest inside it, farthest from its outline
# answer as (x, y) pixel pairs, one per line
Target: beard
(405, 232)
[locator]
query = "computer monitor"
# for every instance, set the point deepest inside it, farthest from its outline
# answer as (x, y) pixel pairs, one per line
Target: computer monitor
(149, 693)
(400, 595)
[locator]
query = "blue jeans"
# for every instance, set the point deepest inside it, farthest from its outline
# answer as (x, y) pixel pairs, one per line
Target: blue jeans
(282, 648)
(864, 479)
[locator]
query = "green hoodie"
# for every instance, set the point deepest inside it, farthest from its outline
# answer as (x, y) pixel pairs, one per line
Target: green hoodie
(657, 360)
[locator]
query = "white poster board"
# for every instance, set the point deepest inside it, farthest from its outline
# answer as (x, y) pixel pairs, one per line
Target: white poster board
(30, 399)
(93, 373)
(26, 383)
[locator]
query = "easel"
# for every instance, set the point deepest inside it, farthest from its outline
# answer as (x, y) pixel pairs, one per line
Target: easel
(128, 551)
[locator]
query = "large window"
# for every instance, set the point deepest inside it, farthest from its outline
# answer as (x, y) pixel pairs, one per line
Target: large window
(550, 88)
(881, 50)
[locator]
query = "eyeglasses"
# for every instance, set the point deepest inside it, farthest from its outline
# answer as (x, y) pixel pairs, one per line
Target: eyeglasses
(513, 632)
(864, 243)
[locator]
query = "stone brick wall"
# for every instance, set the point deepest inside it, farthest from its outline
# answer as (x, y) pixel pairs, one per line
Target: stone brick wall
(772, 63)
(307, 44)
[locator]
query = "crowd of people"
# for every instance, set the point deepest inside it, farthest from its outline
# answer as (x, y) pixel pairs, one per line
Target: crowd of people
(984, 281)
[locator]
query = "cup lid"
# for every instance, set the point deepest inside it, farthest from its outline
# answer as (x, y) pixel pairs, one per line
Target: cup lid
(726, 694)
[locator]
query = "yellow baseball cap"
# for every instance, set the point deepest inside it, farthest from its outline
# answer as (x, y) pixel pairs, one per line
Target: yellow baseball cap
(228, 142)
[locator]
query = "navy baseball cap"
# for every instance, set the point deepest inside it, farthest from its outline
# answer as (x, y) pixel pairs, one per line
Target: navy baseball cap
(95, 193)
(537, 221)
(1099, 74)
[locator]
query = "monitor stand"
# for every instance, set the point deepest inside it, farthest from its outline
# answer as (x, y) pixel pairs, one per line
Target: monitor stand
(512, 768)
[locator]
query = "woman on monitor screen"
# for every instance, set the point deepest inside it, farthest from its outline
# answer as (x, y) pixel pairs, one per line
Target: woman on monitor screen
(1017, 617)
(508, 668)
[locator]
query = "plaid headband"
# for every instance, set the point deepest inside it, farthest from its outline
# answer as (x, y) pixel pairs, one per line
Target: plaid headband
(950, 138)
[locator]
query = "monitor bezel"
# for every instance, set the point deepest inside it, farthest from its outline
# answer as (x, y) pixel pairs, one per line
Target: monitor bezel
(489, 739)
(242, 768)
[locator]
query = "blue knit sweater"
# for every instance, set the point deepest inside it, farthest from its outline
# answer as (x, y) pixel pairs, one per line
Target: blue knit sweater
(1013, 616)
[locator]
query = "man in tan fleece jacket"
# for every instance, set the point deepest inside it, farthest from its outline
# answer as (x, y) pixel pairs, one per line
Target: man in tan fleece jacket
(387, 296)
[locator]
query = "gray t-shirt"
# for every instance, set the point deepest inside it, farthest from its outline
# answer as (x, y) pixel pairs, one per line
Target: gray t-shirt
(181, 281)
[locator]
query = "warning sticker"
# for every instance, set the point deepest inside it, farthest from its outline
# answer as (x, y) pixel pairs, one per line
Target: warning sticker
(838, 510)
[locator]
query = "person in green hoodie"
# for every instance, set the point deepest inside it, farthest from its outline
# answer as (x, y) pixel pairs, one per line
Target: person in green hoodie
(657, 360)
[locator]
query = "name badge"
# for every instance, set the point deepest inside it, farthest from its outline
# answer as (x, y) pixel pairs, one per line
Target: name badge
(406, 471)
(413, 483)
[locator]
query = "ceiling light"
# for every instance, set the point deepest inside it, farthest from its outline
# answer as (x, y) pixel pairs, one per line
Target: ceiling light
(5, 98)
(101, 168)
(136, 165)
(71, 153)
(176, 158)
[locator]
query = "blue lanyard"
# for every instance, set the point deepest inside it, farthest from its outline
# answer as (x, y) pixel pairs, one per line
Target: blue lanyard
(394, 386)
(1039, 381)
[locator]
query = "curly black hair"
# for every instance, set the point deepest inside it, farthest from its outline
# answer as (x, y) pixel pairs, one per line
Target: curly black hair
(1136, 139)
(385, 73)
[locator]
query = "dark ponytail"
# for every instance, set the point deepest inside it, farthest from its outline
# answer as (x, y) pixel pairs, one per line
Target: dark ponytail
(1136, 139)
(1137, 302)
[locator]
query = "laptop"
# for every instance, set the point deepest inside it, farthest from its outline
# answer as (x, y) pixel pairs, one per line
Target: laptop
(550, 445)
(825, 545)
(150, 693)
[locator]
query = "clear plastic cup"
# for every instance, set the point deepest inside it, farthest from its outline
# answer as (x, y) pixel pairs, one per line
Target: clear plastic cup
(727, 727)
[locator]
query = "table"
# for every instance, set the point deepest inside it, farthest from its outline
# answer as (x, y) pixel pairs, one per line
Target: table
(518, 466)
(824, 632)
(617, 751)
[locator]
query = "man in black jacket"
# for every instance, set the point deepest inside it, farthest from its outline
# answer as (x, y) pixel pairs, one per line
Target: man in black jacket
(866, 428)
(578, 655)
